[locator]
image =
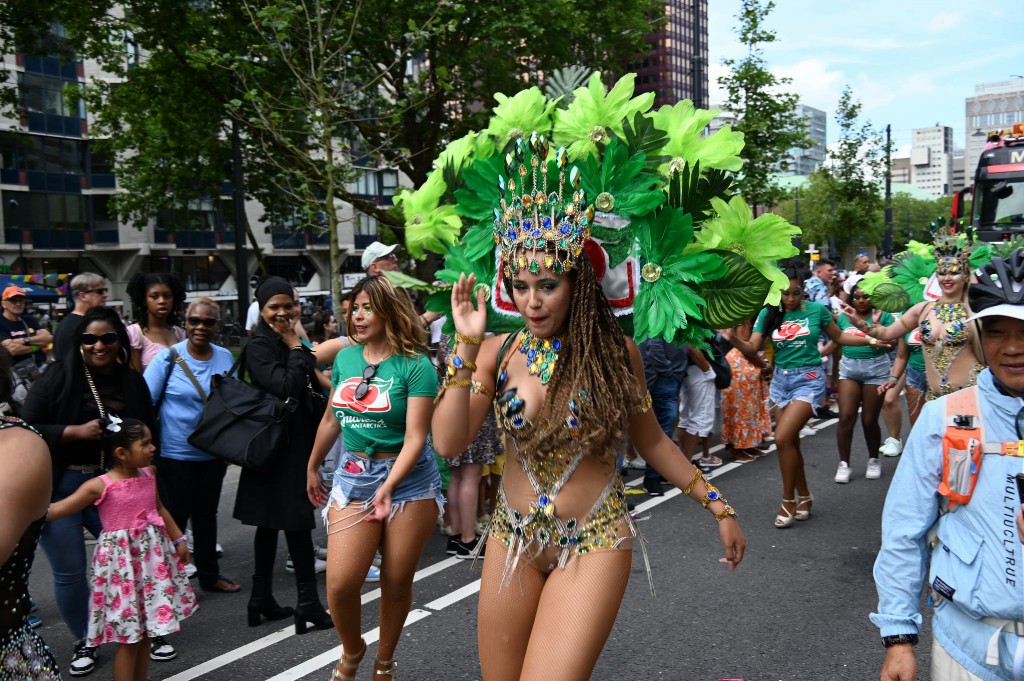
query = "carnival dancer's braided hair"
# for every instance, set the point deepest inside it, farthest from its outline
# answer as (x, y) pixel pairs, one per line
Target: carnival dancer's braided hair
(594, 358)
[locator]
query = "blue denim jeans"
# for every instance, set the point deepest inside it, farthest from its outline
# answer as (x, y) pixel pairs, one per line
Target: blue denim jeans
(665, 403)
(64, 545)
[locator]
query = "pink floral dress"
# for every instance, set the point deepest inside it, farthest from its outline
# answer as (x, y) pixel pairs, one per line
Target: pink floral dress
(139, 588)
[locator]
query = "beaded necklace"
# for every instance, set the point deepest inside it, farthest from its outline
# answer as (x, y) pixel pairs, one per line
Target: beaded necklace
(541, 355)
(950, 312)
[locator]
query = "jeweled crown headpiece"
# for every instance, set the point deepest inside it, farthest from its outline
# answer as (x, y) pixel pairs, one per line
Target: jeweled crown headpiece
(951, 247)
(530, 222)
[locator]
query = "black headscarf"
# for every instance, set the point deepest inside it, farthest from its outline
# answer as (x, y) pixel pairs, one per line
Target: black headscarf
(274, 286)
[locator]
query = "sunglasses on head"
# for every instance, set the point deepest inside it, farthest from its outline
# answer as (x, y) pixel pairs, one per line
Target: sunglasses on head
(364, 386)
(108, 338)
(208, 322)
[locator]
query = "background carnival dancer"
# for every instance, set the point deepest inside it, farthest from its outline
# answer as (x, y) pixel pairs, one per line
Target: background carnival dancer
(798, 382)
(387, 490)
(275, 501)
(179, 380)
(949, 343)
(70, 406)
(953, 532)
(25, 486)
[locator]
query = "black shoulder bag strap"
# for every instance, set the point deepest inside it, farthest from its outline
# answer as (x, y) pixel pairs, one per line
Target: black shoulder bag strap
(188, 372)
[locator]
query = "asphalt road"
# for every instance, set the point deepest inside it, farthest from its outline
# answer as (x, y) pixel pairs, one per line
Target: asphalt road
(796, 609)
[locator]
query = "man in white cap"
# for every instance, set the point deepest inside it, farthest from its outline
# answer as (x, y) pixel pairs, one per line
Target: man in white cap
(378, 258)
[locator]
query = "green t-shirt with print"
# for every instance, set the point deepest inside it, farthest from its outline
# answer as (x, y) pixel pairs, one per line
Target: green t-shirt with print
(376, 423)
(913, 339)
(862, 351)
(795, 342)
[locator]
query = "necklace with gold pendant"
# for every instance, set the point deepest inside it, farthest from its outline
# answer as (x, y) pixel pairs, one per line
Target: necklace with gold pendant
(541, 355)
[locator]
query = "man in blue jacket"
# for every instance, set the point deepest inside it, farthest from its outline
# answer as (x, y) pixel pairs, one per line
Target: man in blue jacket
(970, 551)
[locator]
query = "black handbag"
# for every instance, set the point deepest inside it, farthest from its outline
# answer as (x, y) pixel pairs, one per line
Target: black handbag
(241, 423)
(720, 365)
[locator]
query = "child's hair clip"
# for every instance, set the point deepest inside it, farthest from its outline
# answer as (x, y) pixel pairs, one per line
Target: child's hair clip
(114, 426)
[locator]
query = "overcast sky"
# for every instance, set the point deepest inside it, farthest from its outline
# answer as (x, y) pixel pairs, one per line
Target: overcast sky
(910, 63)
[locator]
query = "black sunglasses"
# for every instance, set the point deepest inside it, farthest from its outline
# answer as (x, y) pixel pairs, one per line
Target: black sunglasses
(208, 322)
(108, 338)
(101, 290)
(364, 386)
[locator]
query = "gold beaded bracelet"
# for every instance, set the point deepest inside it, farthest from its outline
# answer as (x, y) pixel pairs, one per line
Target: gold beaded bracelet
(693, 483)
(471, 340)
(726, 512)
(452, 383)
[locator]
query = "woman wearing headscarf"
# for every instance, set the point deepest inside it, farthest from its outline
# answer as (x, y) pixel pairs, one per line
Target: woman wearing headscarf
(275, 500)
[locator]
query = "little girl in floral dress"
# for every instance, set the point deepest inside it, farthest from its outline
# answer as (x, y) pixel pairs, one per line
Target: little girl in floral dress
(139, 587)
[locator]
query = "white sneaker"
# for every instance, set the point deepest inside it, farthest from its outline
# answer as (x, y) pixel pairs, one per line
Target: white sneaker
(843, 472)
(318, 566)
(637, 464)
(807, 431)
(190, 570)
(874, 471)
(321, 552)
(891, 447)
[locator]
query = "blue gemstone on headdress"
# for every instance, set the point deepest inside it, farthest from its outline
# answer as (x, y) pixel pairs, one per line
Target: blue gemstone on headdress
(546, 222)
(536, 233)
(565, 228)
(527, 224)
(511, 234)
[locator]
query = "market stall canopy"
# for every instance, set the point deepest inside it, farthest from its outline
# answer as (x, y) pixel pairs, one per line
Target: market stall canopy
(38, 293)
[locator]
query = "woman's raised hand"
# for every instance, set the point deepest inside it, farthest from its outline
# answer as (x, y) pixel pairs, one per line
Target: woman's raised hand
(851, 314)
(469, 320)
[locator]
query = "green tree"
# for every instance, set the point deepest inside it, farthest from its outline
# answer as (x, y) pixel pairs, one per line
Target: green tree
(766, 112)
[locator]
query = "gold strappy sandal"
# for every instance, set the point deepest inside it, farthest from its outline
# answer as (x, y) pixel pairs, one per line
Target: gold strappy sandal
(350, 665)
(390, 664)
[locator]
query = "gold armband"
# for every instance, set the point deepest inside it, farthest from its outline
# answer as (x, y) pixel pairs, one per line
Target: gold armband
(905, 327)
(452, 383)
(471, 340)
(480, 389)
(644, 406)
(693, 483)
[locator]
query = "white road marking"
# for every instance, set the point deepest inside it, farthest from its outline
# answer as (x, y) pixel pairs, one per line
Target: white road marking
(331, 656)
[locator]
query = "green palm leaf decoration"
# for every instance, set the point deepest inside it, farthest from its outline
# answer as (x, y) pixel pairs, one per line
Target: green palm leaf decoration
(400, 279)
(736, 296)
(563, 82)
(692, 190)
(643, 137)
(889, 296)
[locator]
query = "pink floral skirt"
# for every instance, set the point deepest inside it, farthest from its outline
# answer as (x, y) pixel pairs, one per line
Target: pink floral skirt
(139, 589)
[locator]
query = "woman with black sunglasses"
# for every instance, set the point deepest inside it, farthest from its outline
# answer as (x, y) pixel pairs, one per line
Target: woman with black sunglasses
(188, 478)
(70, 405)
(387, 489)
(275, 500)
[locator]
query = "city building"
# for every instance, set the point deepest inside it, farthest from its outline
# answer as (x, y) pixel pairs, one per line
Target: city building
(959, 170)
(676, 67)
(931, 159)
(57, 217)
(901, 170)
(806, 161)
(994, 106)
(723, 119)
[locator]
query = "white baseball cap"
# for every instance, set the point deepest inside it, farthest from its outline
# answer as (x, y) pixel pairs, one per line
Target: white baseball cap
(850, 282)
(376, 251)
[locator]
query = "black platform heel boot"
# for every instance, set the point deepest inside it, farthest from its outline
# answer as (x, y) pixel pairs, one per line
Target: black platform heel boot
(262, 604)
(310, 610)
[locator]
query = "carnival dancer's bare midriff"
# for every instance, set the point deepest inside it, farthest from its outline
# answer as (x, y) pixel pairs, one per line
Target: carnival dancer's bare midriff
(947, 341)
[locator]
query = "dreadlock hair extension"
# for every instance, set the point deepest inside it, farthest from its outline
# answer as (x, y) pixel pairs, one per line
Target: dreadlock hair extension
(140, 284)
(595, 359)
(404, 332)
(129, 431)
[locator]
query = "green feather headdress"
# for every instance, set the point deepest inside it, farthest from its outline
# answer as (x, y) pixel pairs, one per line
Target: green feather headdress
(673, 246)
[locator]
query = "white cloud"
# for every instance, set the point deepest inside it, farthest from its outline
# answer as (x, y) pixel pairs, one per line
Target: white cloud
(944, 21)
(815, 81)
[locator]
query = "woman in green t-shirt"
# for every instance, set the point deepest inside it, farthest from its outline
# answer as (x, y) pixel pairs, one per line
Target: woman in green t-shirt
(798, 382)
(386, 491)
(864, 376)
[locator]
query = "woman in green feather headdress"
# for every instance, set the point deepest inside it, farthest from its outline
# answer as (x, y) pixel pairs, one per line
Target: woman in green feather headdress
(950, 345)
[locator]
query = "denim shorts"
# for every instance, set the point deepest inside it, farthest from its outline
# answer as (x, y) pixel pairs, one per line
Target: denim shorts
(917, 379)
(806, 384)
(357, 479)
(867, 371)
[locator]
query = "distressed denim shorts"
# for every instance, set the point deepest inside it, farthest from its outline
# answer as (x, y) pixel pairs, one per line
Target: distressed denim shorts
(357, 479)
(917, 379)
(806, 384)
(866, 371)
